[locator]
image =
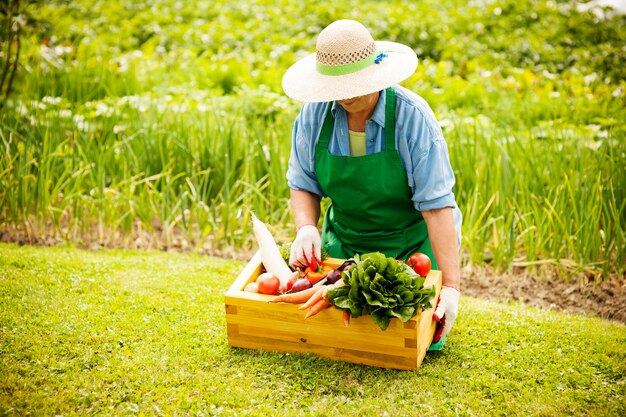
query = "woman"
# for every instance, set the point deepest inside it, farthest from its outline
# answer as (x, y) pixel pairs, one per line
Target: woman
(378, 152)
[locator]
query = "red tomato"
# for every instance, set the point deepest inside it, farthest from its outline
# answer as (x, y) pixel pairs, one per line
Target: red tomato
(420, 263)
(268, 283)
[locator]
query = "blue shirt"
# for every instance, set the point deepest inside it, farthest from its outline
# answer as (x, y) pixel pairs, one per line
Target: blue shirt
(419, 141)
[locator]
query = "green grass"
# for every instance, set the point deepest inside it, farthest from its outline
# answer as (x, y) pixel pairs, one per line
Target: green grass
(124, 333)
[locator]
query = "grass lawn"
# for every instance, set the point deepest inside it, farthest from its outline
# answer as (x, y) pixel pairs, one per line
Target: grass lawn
(123, 333)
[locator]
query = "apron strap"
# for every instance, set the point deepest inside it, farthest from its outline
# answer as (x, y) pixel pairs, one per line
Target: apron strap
(327, 128)
(390, 120)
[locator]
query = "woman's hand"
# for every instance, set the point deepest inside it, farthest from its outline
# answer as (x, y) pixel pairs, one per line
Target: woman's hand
(308, 244)
(305, 207)
(447, 309)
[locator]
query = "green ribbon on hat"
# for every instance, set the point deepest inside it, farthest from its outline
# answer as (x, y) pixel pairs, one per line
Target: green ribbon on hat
(348, 68)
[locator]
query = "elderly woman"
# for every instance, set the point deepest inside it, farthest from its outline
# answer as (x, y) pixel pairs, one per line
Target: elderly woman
(376, 150)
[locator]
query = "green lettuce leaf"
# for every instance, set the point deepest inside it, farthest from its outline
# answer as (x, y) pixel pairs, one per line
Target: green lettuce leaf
(383, 288)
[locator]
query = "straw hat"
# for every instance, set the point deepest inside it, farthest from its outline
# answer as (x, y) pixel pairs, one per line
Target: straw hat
(348, 63)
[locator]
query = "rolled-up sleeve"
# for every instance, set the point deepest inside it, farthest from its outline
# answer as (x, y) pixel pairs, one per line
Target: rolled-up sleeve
(433, 178)
(430, 174)
(301, 171)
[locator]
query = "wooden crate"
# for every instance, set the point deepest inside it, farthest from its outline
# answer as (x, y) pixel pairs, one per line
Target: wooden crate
(254, 323)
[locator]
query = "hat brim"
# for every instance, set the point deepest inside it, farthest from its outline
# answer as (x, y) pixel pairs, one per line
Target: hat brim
(303, 82)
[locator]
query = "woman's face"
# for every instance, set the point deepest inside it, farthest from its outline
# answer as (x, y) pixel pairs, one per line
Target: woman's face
(360, 104)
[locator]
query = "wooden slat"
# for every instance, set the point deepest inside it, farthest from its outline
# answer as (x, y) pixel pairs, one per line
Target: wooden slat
(338, 337)
(330, 320)
(349, 355)
(426, 329)
(249, 273)
(379, 360)
(316, 338)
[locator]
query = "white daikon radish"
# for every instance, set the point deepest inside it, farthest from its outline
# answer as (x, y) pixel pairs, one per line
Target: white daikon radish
(270, 254)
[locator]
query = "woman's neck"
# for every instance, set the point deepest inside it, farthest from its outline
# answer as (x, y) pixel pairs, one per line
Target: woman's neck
(359, 110)
(356, 122)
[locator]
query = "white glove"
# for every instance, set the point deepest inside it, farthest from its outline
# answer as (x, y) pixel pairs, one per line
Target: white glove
(307, 244)
(447, 308)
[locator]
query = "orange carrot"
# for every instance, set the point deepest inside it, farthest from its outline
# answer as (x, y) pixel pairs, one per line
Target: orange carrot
(296, 297)
(325, 293)
(346, 318)
(317, 307)
(315, 297)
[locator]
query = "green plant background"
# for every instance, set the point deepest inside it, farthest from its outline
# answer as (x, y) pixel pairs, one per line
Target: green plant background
(163, 123)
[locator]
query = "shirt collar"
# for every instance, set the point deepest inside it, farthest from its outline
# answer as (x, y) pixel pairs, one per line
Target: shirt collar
(379, 112)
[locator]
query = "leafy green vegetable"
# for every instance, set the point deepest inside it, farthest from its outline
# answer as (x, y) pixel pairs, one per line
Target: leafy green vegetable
(383, 288)
(285, 249)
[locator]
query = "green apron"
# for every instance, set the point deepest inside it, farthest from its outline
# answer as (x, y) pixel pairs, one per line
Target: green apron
(371, 208)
